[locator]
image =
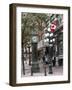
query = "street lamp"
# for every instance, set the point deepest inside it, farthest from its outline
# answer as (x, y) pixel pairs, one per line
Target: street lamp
(34, 41)
(49, 37)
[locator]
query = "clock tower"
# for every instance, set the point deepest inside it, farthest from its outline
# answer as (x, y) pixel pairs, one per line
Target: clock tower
(34, 41)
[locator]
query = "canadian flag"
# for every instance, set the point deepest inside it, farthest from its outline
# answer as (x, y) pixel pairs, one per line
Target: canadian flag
(53, 27)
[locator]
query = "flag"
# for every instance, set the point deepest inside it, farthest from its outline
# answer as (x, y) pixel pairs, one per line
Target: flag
(53, 27)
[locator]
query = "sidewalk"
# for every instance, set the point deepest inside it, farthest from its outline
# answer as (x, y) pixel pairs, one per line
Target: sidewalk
(57, 70)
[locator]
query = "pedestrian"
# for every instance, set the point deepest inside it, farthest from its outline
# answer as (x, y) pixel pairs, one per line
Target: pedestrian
(45, 58)
(54, 61)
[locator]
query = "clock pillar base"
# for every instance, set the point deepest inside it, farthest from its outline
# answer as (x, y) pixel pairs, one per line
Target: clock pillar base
(35, 64)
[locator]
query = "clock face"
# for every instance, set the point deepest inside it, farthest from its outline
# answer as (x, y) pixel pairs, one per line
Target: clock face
(34, 39)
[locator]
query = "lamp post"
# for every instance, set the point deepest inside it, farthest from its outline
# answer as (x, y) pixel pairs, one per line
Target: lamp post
(49, 38)
(34, 41)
